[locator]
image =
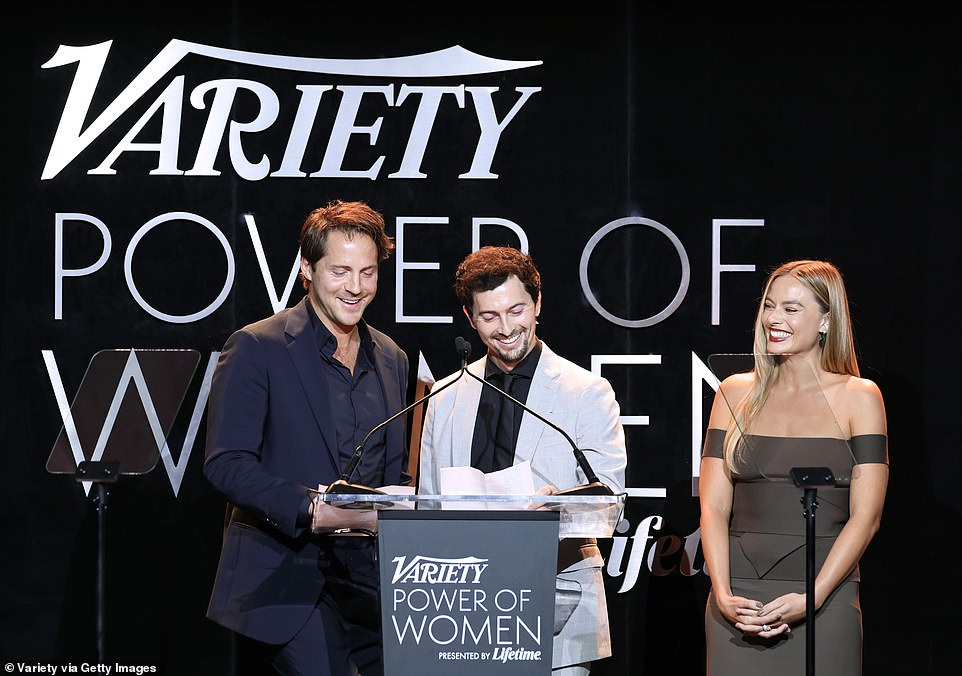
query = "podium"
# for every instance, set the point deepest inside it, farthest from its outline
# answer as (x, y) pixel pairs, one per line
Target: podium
(468, 581)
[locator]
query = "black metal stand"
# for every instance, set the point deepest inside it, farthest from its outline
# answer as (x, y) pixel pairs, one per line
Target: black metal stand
(104, 405)
(809, 479)
(100, 474)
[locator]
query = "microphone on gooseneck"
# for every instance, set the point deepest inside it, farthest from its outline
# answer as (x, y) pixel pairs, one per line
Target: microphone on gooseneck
(594, 485)
(464, 351)
(343, 484)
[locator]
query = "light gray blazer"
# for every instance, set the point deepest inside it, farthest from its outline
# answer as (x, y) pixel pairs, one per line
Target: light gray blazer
(583, 405)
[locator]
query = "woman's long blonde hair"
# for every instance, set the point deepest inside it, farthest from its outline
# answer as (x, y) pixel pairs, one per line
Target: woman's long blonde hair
(838, 345)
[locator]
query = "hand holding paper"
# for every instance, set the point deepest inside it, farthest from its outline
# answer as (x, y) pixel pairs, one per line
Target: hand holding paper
(515, 480)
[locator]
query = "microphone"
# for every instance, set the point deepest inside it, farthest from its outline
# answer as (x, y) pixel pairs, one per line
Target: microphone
(464, 350)
(343, 485)
(594, 485)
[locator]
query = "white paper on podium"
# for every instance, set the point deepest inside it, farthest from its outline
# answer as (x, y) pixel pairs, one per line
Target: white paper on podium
(387, 490)
(515, 480)
(397, 490)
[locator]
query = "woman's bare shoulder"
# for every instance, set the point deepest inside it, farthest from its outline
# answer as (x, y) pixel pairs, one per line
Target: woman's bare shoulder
(862, 389)
(865, 406)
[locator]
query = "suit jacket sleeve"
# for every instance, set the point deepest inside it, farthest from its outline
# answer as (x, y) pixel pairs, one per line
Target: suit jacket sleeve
(237, 416)
(600, 434)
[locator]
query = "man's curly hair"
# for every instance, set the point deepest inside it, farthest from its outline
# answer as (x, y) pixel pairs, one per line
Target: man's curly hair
(489, 267)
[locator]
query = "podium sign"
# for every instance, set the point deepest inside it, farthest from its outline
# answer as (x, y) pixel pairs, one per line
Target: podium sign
(467, 592)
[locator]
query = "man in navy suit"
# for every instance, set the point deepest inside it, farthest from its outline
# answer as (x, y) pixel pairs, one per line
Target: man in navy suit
(292, 397)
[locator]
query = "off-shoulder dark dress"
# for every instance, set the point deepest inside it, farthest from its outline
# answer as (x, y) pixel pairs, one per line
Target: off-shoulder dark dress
(767, 554)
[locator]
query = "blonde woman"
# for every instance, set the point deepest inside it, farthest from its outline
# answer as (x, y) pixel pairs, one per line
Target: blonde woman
(803, 405)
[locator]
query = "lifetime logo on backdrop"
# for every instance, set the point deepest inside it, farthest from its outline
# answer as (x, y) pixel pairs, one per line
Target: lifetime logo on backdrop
(219, 97)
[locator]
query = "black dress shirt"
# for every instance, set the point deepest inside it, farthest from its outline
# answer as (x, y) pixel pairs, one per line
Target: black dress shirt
(357, 402)
(486, 454)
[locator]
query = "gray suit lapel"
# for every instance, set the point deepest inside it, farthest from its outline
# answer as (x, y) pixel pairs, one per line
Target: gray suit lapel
(466, 400)
(541, 398)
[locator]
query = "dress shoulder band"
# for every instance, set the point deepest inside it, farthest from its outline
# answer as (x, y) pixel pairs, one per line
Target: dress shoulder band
(870, 448)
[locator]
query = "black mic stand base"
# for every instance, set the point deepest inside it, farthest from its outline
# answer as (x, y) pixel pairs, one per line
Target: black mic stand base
(593, 488)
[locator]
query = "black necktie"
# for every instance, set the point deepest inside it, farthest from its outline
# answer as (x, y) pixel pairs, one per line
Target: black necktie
(504, 430)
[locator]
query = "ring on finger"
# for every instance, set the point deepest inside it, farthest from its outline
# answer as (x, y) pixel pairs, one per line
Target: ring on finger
(765, 627)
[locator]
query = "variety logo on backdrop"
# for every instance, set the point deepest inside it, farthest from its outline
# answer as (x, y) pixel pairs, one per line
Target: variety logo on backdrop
(218, 98)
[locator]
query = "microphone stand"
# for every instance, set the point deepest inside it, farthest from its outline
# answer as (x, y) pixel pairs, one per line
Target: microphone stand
(100, 473)
(343, 485)
(809, 478)
(594, 485)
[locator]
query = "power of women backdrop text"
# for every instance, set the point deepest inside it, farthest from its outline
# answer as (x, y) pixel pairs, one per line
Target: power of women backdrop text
(656, 163)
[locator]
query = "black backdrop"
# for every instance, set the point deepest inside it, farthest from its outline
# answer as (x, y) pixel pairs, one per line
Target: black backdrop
(824, 130)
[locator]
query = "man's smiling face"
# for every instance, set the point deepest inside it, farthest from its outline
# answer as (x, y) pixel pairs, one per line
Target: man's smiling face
(505, 319)
(343, 281)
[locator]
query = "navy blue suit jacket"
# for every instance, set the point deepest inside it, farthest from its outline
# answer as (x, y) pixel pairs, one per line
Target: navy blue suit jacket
(270, 437)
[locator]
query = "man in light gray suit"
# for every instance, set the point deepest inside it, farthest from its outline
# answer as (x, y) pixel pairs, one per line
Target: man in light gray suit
(468, 424)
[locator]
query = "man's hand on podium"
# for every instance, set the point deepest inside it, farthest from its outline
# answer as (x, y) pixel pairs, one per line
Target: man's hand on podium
(327, 518)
